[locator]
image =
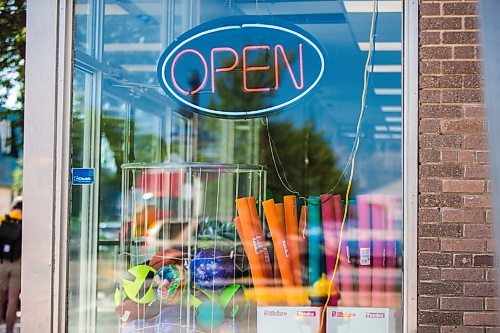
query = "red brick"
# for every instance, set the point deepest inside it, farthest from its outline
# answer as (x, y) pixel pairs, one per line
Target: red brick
(428, 244)
(477, 171)
(463, 126)
(440, 230)
(429, 185)
(461, 67)
(480, 318)
(449, 156)
(461, 303)
(490, 245)
(462, 274)
(464, 186)
(429, 303)
(476, 142)
(428, 329)
(441, 288)
(441, 170)
(462, 216)
(477, 201)
(436, 52)
(430, 96)
(483, 260)
(478, 231)
(440, 141)
(464, 52)
(462, 260)
(460, 37)
(429, 215)
(440, 23)
(441, 111)
(429, 126)
(430, 38)
(435, 259)
(441, 200)
(429, 155)
(466, 156)
(480, 289)
(459, 8)
(457, 329)
(439, 317)
(430, 67)
(441, 81)
(491, 275)
(474, 111)
(463, 245)
(471, 23)
(428, 273)
(462, 96)
(472, 81)
(491, 304)
(482, 157)
(430, 9)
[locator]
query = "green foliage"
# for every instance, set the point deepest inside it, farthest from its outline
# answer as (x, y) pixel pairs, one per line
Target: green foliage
(12, 55)
(307, 161)
(17, 184)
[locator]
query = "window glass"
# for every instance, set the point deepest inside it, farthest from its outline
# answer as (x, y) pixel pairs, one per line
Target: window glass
(167, 178)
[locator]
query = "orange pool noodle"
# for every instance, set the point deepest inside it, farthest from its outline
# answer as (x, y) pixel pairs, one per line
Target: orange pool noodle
(292, 236)
(257, 228)
(280, 246)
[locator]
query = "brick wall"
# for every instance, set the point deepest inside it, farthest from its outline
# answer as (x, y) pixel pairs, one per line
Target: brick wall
(456, 266)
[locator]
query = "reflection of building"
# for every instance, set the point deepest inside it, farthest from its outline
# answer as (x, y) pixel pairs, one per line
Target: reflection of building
(8, 163)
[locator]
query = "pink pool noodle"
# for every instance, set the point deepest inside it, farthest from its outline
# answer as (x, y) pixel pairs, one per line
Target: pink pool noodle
(378, 237)
(364, 270)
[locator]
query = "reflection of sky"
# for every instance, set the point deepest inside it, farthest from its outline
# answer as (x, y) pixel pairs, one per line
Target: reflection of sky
(332, 108)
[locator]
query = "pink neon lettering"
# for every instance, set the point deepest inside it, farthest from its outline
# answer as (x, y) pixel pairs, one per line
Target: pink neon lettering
(278, 48)
(255, 68)
(174, 81)
(222, 69)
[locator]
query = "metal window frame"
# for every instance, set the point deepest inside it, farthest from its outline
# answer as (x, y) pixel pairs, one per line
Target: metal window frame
(410, 163)
(47, 155)
(46, 164)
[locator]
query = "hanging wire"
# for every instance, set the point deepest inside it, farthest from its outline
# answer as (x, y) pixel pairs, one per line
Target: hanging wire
(353, 163)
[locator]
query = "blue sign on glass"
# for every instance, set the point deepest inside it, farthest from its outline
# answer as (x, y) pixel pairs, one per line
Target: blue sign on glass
(82, 176)
(241, 67)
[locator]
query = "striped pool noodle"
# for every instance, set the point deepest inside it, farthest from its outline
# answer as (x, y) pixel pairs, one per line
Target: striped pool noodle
(392, 299)
(346, 270)
(378, 237)
(315, 236)
(364, 270)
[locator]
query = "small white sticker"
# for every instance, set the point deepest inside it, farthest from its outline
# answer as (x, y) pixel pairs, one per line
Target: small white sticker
(6, 248)
(286, 248)
(364, 256)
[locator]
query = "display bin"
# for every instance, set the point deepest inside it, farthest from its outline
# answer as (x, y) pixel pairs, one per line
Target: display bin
(173, 213)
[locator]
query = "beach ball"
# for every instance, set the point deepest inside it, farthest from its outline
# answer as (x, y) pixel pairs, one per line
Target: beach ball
(167, 283)
(211, 270)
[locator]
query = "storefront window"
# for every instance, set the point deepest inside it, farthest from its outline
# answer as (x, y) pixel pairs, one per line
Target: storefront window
(154, 243)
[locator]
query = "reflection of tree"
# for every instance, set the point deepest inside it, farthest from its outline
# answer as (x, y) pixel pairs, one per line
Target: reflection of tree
(309, 163)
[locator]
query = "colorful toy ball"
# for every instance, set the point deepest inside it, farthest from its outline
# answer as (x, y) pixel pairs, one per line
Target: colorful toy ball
(234, 301)
(209, 315)
(167, 283)
(172, 318)
(137, 284)
(129, 310)
(140, 325)
(211, 270)
(166, 257)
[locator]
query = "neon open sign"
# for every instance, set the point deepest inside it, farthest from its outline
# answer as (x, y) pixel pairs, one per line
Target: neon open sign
(241, 66)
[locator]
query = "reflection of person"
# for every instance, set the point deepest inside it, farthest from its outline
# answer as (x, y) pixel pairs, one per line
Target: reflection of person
(10, 262)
